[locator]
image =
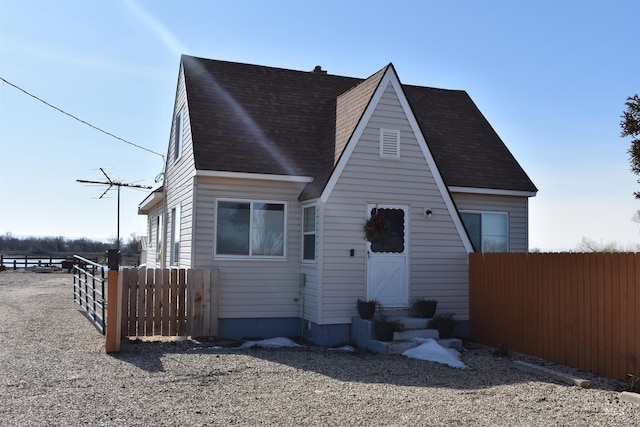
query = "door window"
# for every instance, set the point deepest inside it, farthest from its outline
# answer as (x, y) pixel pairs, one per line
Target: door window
(394, 241)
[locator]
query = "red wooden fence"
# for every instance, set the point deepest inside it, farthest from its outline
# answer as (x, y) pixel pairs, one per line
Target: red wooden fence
(582, 310)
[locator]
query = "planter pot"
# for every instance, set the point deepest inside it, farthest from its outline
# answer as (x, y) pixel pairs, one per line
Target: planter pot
(384, 331)
(366, 309)
(445, 328)
(425, 308)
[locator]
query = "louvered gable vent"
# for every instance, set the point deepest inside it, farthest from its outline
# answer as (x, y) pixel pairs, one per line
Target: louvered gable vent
(389, 144)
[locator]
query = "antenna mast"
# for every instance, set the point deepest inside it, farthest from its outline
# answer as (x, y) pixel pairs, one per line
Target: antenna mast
(111, 183)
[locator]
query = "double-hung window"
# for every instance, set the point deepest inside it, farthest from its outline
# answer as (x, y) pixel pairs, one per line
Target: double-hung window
(250, 229)
(309, 233)
(159, 237)
(175, 235)
(488, 231)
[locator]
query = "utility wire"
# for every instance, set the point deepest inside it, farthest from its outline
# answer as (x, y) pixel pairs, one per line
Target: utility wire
(82, 121)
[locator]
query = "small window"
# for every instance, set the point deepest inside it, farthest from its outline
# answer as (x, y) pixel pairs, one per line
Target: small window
(175, 235)
(159, 236)
(488, 231)
(309, 233)
(252, 229)
(179, 134)
(389, 144)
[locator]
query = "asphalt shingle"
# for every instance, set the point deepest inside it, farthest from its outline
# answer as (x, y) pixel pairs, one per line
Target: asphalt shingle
(257, 119)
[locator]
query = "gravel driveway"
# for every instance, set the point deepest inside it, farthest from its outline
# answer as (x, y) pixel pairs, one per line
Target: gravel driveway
(54, 371)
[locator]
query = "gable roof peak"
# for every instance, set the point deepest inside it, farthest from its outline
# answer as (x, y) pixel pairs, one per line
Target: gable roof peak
(267, 120)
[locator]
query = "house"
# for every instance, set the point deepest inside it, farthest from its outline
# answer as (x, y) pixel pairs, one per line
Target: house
(272, 174)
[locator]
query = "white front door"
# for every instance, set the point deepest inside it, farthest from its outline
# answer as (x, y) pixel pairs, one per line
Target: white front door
(388, 258)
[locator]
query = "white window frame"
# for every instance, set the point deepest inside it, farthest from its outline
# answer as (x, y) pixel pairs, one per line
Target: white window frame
(176, 231)
(159, 237)
(482, 214)
(314, 232)
(250, 256)
(389, 143)
(179, 140)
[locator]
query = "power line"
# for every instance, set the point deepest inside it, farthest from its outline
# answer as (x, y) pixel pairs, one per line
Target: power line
(80, 120)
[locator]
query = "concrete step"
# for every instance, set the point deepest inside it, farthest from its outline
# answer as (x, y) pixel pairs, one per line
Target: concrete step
(363, 335)
(411, 322)
(389, 313)
(454, 343)
(415, 333)
(391, 347)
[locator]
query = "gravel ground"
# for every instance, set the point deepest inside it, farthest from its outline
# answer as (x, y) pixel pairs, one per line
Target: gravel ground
(54, 371)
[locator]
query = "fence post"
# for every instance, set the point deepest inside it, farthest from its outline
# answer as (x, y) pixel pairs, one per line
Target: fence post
(114, 282)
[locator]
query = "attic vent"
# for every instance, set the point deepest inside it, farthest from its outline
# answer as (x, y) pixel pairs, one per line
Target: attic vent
(389, 144)
(318, 69)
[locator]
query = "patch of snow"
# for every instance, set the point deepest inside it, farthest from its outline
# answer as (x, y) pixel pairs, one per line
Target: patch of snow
(432, 351)
(213, 347)
(277, 342)
(344, 348)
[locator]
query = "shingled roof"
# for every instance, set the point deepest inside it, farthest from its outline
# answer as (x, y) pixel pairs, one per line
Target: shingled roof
(256, 119)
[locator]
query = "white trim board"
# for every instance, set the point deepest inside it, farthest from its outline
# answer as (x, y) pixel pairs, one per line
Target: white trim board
(258, 176)
(390, 77)
(493, 191)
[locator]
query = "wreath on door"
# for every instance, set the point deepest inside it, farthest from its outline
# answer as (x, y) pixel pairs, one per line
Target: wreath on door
(376, 228)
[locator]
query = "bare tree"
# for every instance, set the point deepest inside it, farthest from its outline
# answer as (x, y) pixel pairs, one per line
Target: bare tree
(590, 245)
(133, 246)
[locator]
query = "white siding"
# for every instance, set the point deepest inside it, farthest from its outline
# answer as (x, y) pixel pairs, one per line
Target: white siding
(251, 288)
(152, 260)
(438, 259)
(310, 294)
(179, 182)
(516, 207)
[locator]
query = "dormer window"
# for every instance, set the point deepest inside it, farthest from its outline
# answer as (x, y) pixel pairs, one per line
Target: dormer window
(389, 144)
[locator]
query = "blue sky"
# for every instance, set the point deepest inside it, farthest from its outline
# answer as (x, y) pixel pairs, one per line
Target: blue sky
(550, 76)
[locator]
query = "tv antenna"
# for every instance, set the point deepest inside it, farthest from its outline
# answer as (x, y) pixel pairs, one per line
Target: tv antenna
(111, 183)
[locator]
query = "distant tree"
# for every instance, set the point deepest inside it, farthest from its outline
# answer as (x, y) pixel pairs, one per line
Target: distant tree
(136, 242)
(630, 125)
(133, 245)
(590, 245)
(49, 245)
(113, 241)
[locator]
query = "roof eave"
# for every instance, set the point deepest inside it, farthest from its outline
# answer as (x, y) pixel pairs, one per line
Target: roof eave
(493, 191)
(150, 202)
(251, 175)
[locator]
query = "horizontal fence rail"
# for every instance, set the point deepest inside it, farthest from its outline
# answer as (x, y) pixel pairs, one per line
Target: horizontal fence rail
(582, 310)
(89, 290)
(169, 302)
(36, 262)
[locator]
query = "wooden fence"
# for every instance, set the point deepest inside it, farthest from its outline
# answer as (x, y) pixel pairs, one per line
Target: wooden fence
(582, 310)
(169, 302)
